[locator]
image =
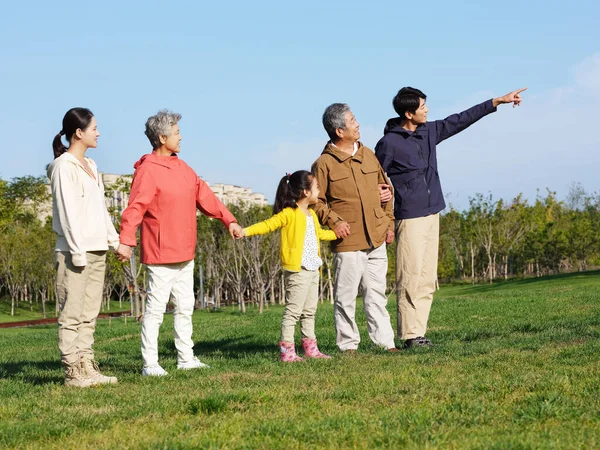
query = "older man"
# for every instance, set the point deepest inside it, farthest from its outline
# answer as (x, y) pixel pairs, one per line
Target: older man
(350, 203)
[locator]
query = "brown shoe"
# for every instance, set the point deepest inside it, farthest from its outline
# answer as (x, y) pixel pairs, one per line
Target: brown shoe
(393, 350)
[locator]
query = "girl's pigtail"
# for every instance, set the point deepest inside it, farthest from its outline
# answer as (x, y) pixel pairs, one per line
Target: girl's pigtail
(282, 196)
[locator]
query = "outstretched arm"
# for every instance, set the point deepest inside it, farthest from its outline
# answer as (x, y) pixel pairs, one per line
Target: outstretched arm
(211, 206)
(458, 122)
(267, 226)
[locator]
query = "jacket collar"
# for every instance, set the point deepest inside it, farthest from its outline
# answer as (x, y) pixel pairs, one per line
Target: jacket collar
(69, 157)
(331, 149)
(393, 126)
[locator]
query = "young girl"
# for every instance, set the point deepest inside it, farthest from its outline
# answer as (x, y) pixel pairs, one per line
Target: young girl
(300, 258)
(84, 234)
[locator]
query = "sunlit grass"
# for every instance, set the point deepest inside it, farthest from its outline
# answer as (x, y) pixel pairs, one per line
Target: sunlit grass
(514, 365)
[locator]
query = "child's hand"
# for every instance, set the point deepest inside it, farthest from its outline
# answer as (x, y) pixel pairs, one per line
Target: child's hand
(236, 231)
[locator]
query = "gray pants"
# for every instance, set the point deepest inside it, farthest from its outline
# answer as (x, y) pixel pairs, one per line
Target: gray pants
(79, 294)
(366, 268)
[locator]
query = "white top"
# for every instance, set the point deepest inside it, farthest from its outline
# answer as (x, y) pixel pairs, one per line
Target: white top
(310, 253)
(79, 215)
(353, 152)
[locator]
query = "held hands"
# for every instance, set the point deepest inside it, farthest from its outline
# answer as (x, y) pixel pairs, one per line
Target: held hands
(123, 252)
(513, 97)
(385, 192)
(342, 230)
(236, 231)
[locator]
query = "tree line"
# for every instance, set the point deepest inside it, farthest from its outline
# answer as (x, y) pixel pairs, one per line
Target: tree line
(491, 240)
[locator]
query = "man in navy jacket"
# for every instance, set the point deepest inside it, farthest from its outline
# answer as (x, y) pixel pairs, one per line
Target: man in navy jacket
(407, 152)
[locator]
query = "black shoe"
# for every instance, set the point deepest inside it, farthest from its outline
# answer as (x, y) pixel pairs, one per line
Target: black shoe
(419, 341)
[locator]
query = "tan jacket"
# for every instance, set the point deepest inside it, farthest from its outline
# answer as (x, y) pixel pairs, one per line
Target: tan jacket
(348, 192)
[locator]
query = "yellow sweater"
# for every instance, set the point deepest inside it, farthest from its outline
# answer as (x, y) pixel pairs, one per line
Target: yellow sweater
(293, 222)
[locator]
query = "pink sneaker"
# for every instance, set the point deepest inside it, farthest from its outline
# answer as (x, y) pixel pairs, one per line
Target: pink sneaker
(311, 350)
(287, 353)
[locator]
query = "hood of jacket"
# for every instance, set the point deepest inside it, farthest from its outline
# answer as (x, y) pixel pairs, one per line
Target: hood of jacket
(65, 158)
(393, 125)
(153, 158)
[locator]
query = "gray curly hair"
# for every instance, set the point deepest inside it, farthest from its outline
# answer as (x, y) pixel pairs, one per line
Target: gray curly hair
(160, 125)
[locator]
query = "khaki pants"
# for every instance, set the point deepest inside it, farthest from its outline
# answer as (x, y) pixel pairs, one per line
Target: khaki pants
(301, 298)
(417, 243)
(79, 293)
(366, 268)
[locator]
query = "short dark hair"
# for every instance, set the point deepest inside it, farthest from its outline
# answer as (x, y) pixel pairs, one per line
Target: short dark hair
(407, 100)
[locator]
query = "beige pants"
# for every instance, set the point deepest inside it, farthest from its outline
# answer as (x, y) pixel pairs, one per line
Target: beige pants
(366, 268)
(417, 242)
(79, 294)
(301, 298)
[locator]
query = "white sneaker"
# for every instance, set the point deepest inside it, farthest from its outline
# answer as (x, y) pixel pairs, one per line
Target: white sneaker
(154, 371)
(193, 364)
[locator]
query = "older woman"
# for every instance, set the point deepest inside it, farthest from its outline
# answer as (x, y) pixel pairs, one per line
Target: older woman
(164, 196)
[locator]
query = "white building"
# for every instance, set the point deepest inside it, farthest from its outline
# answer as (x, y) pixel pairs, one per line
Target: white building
(118, 199)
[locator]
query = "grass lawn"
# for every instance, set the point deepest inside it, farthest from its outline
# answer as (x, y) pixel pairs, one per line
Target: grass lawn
(515, 365)
(25, 311)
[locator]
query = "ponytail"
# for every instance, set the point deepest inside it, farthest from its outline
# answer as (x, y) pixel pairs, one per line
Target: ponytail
(75, 118)
(291, 189)
(57, 145)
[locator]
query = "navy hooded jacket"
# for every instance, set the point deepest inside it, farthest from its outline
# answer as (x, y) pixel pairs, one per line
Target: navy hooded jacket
(410, 160)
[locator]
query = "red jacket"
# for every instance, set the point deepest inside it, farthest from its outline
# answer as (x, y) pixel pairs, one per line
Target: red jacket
(164, 196)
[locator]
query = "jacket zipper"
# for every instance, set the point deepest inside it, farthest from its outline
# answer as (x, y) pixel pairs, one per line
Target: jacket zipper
(425, 179)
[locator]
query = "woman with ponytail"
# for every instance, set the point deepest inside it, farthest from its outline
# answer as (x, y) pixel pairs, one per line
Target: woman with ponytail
(84, 234)
(300, 259)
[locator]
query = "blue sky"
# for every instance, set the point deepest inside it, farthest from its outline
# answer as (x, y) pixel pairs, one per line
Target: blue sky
(252, 80)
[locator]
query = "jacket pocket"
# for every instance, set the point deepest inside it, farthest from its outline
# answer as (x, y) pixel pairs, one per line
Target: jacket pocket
(381, 221)
(371, 172)
(414, 193)
(341, 185)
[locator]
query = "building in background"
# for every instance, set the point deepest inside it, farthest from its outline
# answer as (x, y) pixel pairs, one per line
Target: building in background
(118, 198)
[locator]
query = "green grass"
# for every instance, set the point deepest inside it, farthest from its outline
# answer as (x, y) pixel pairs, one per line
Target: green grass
(515, 365)
(25, 311)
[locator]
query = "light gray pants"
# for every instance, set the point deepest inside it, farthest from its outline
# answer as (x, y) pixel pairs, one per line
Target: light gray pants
(366, 268)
